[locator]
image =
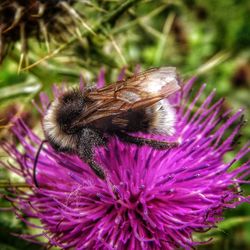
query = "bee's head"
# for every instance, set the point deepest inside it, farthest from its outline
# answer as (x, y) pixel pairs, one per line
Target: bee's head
(59, 123)
(70, 108)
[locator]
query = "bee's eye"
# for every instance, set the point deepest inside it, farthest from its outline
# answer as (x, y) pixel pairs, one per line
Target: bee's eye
(67, 99)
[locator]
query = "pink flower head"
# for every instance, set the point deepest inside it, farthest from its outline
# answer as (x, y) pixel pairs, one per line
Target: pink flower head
(151, 199)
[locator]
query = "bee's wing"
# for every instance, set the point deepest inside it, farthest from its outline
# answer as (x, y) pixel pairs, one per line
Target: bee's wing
(140, 91)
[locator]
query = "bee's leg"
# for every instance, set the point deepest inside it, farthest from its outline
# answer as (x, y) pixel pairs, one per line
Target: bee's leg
(144, 141)
(88, 140)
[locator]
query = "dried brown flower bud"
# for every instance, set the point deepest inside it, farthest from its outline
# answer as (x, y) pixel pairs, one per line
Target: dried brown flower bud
(44, 20)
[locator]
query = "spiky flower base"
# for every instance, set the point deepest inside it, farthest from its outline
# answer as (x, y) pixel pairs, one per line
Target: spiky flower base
(151, 199)
(40, 19)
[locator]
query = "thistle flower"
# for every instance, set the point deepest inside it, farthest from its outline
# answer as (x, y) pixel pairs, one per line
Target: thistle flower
(40, 19)
(151, 200)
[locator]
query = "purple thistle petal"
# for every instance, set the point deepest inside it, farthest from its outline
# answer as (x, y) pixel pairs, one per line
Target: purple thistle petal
(37, 107)
(122, 74)
(151, 200)
(137, 69)
(44, 99)
(82, 83)
(101, 79)
(55, 90)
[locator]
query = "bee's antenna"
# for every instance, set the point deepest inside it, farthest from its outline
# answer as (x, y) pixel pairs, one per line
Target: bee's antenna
(35, 162)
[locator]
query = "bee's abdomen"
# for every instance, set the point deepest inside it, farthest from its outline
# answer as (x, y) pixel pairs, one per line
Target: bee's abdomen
(132, 121)
(156, 119)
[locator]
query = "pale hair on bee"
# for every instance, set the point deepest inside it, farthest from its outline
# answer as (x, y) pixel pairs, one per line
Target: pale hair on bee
(163, 118)
(53, 131)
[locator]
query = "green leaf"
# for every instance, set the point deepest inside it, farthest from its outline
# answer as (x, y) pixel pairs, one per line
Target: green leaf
(233, 222)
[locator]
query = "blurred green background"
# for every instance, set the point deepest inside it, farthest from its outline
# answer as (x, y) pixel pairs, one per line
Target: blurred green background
(206, 39)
